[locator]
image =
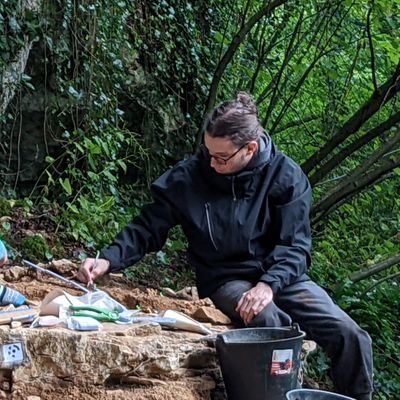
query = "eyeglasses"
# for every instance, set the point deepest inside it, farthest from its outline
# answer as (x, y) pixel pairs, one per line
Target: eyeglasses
(221, 160)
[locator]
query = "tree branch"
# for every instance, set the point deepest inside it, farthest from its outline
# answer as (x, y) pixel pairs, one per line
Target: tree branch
(379, 281)
(297, 122)
(288, 55)
(375, 269)
(266, 10)
(321, 53)
(371, 46)
(354, 185)
(331, 164)
(378, 99)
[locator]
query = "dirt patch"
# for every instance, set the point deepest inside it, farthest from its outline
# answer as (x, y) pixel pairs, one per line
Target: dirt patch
(188, 390)
(36, 285)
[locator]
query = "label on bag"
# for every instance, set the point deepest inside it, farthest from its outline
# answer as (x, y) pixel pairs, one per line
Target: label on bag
(282, 362)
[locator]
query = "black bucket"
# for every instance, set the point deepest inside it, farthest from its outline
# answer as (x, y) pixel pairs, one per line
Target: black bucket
(260, 363)
(312, 394)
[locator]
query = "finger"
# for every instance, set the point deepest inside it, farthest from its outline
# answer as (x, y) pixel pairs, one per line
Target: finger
(255, 309)
(248, 303)
(240, 303)
(245, 309)
(84, 274)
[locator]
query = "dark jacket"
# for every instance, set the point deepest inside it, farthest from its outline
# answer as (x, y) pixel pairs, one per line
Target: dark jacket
(253, 225)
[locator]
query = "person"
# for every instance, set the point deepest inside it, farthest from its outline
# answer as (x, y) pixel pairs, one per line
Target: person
(244, 207)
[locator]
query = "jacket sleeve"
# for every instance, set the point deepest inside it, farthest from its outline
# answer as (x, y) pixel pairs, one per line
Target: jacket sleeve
(146, 232)
(290, 256)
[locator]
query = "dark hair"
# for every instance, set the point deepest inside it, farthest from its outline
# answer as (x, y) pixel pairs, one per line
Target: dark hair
(236, 120)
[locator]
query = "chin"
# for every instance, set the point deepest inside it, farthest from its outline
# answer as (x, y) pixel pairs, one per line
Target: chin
(221, 171)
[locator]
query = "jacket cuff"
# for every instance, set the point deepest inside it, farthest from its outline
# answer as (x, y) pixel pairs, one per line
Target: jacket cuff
(115, 265)
(272, 282)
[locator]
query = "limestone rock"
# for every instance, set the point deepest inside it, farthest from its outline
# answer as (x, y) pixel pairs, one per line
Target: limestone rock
(14, 274)
(63, 266)
(121, 362)
(212, 315)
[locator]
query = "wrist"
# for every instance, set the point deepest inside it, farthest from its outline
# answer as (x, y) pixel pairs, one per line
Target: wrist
(107, 266)
(263, 284)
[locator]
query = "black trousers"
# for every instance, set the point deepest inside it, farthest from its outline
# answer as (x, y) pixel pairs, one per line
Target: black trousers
(348, 346)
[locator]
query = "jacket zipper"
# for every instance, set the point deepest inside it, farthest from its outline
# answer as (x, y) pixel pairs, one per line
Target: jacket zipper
(233, 188)
(209, 225)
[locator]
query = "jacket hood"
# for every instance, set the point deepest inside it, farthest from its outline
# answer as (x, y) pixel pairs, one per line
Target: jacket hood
(240, 184)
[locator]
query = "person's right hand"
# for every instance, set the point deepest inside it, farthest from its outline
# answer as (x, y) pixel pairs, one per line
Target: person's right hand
(88, 274)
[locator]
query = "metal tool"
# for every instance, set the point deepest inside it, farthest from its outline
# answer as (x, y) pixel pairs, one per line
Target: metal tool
(54, 275)
(101, 314)
(165, 321)
(92, 286)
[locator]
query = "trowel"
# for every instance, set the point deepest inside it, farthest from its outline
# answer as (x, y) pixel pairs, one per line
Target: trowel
(55, 275)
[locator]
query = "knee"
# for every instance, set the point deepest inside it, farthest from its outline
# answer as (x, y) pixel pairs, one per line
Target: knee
(352, 333)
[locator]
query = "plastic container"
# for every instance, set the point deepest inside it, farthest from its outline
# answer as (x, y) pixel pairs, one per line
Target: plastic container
(3, 253)
(260, 363)
(312, 394)
(11, 296)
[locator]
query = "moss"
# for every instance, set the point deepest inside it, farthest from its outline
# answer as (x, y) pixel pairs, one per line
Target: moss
(36, 247)
(5, 207)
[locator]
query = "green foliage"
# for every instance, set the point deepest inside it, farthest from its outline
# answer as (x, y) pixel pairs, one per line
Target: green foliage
(5, 207)
(168, 267)
(17, 25)
(349, 242)
(36, 248)
(124, 86)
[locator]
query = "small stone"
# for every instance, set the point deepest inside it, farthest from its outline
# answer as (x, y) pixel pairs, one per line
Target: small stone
(210, 314)
(16, 324)
(15, 274)
(63, 266)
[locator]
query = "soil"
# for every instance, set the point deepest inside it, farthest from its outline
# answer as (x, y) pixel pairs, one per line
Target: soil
(36, 285)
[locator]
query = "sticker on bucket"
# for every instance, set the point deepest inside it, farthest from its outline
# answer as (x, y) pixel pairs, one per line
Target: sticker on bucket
(282, 362)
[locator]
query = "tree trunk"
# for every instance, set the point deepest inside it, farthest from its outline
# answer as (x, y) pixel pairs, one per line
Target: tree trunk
(11, 75)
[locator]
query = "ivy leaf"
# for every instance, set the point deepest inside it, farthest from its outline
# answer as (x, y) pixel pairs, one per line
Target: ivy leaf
(66, 184)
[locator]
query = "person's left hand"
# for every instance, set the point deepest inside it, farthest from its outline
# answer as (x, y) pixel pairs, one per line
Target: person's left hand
(254, 301)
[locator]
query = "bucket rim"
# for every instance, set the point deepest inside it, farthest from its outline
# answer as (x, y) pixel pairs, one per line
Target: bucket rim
(300, 334)
(318, 391)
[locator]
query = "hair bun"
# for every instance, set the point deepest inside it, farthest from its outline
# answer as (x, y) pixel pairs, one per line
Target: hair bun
(247, 101)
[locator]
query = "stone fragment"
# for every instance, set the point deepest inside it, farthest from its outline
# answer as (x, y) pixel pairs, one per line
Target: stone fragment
(212, 315)
(14, 274)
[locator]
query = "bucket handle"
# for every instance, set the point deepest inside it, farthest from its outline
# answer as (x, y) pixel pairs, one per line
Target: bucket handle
(296, 327)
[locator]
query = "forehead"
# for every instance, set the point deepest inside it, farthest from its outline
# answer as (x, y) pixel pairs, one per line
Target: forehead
(218, 144)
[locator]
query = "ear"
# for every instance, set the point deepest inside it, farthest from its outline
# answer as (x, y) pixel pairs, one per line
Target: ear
(252, 147)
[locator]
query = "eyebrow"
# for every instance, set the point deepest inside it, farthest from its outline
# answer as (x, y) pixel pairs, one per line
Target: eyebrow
(219, 153)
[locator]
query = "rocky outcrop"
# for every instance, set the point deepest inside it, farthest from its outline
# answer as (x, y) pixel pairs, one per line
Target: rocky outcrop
(139, 361)
(11, 74)
(120, 362)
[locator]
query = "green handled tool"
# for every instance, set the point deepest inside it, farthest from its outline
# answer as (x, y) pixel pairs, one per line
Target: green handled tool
(101, 314)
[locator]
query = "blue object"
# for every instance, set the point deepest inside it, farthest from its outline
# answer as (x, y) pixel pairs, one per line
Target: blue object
(3, 252)
(11, 296)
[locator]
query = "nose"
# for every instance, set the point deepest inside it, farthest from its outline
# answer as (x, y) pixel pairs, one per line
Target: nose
(213, 163)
